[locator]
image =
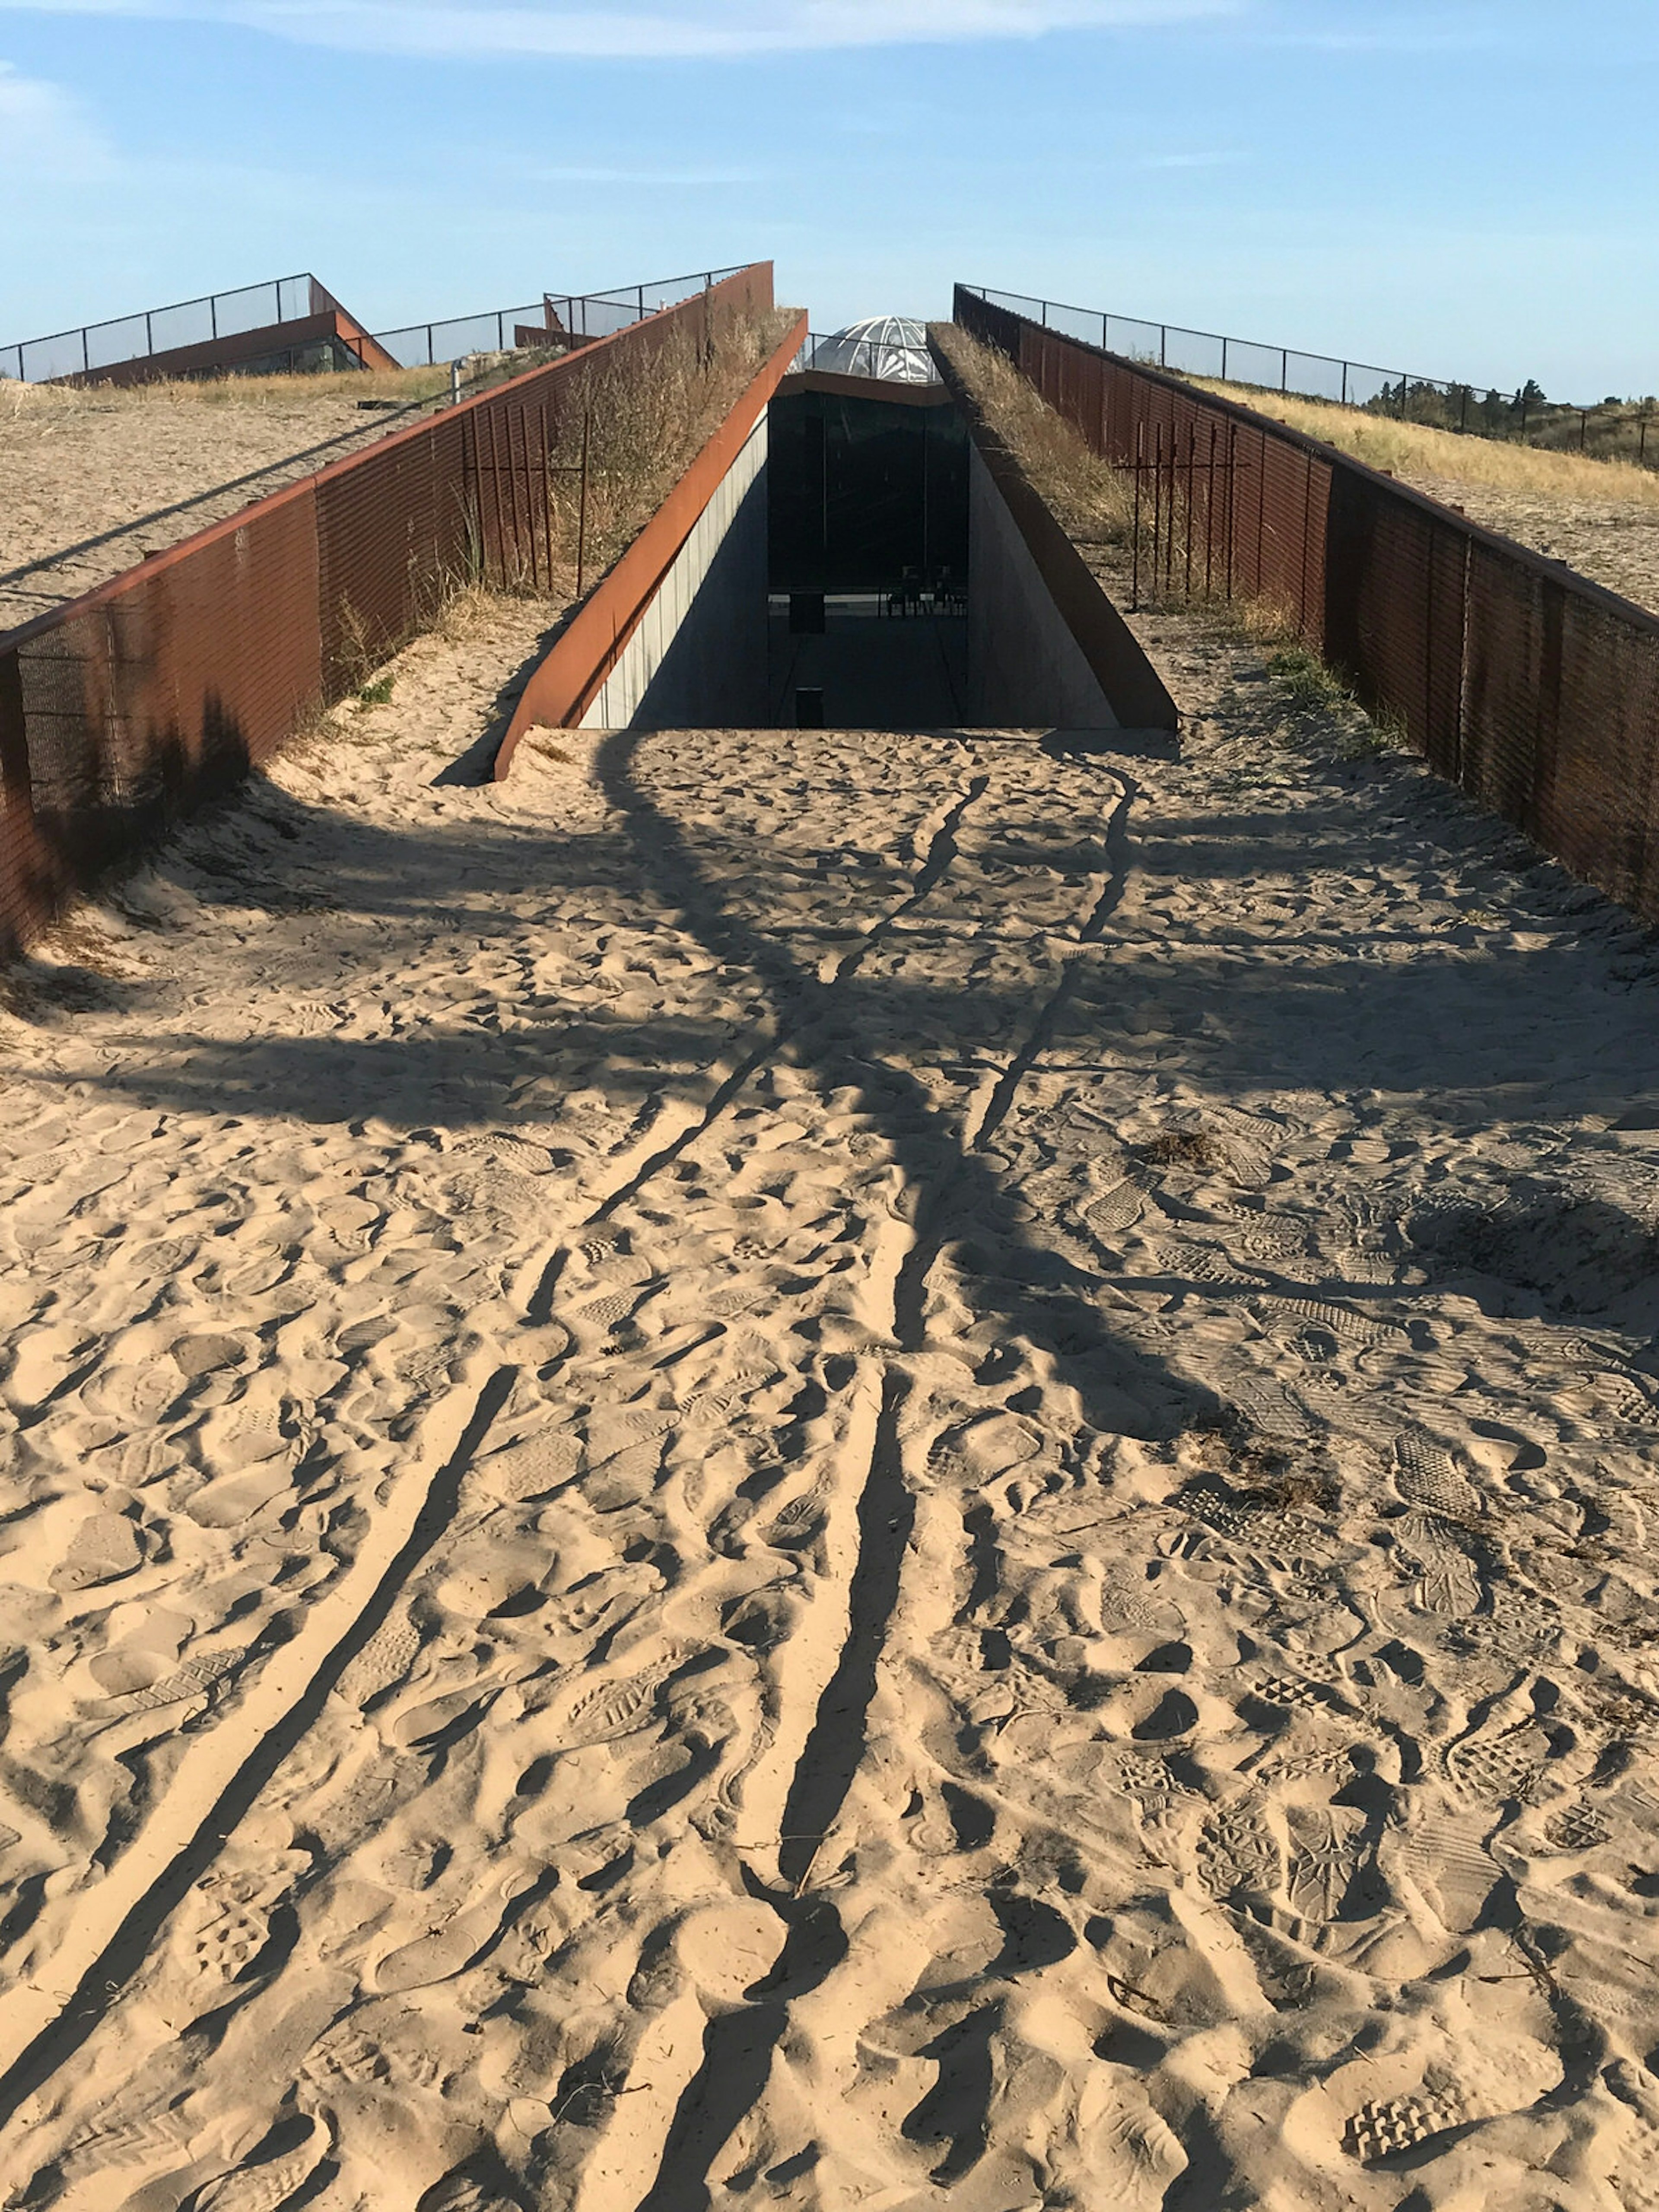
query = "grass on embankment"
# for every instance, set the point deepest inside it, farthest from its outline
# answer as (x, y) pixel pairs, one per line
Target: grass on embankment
(1413, 451)
(57, 400)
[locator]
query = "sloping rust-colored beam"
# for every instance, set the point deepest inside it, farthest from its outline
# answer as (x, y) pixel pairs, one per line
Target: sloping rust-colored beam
(566, 680)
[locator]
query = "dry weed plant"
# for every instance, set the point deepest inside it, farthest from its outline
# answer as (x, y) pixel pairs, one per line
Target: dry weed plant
(1414, 449)
(646, 418)
(1093, 500)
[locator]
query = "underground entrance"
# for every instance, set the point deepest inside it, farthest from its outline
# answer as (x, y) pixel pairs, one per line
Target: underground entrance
(870, 557)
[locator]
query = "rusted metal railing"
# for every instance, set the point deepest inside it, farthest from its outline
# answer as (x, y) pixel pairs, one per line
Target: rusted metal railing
(1533, 687)
(120, 709)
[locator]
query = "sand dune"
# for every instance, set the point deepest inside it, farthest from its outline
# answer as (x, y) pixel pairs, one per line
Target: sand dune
(832, 1469)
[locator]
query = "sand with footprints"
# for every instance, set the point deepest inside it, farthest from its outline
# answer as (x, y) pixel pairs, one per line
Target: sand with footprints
(834, 1470)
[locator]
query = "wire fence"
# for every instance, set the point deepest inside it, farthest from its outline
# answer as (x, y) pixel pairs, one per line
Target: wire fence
(559, 318)
(119, 710)
(162, 330)
(1621, 430)
(1531, 687)
(556, 319)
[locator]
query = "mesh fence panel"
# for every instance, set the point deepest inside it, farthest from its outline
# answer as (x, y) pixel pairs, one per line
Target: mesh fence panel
(1194, 353)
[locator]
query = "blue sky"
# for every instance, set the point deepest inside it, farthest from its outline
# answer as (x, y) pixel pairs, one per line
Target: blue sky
(1462, 189)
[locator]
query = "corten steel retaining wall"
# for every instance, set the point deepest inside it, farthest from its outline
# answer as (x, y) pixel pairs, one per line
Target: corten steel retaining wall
(1531, 687)
(571, 675)
(120, 709)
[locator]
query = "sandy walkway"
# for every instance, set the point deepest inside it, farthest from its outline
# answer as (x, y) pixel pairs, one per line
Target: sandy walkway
(75, 468)
(833, 1470)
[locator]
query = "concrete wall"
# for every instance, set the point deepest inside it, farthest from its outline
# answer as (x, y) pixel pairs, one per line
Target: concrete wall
(1025, 669)
(698, 658)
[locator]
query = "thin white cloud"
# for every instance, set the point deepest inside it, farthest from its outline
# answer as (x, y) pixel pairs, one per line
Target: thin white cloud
(482, 28)
(45, 135)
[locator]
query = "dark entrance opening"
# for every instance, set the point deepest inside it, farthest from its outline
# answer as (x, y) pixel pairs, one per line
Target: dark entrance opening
(867, 530)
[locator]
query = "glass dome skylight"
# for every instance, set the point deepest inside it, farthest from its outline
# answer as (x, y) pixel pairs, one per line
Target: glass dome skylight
(892, 347)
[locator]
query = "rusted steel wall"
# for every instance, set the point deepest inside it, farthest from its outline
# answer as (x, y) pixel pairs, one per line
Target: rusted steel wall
(570, 675)
(1535, 688)
(120, 709)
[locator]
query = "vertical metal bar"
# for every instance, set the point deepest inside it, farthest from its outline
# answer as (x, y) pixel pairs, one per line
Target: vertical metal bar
(1284, 369)
(1344, 384)
(1232, 479)
(1584, 427)
(1157, 498)
(430, 356)
(1140, 465)
(512, 482)
(213, 313)
(495, 479)
(149, 335)
(581, 509)
(1223, 361)
(1103, 334)
(85, 353)
(1169, 516)
(1209, 520)
(547, 496)
(1192, 432)
(1163, 350)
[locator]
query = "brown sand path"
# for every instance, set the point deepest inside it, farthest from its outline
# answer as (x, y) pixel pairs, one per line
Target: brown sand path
(832, 1469)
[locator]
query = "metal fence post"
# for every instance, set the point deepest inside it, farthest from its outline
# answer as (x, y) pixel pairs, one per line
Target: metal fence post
(1344, 384)
(149, 335)
(1163, 345)
(86, 355)
(581, 509)
(1223, 361)
(213, 313)
(1284, 369)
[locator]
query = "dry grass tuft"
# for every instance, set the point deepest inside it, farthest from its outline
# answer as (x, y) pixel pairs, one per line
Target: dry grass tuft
(648, 419)
(1088, 497)
(405, 386)
(1413, 450)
